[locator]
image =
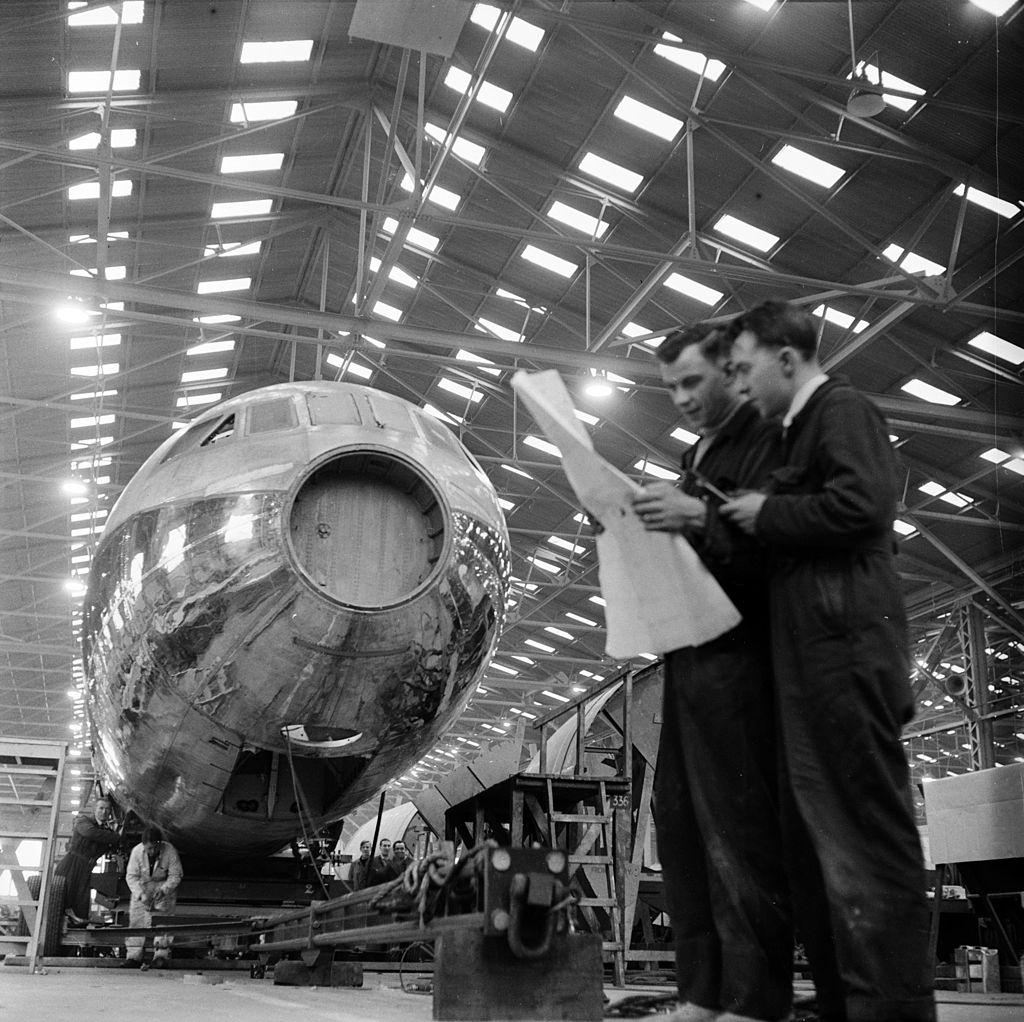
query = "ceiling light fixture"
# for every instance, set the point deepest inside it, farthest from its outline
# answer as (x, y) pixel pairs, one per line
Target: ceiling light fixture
(865, 100)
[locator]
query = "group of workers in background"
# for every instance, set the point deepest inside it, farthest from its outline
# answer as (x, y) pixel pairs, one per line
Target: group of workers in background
(782, 793)
(389, 864)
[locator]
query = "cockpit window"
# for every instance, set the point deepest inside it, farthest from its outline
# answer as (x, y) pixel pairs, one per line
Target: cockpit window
(389, 414)
(202, 434)
(223, 431)
(336, 410)
(268, 416)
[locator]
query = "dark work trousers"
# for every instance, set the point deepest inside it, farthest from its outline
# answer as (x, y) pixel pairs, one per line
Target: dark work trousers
(718, 831)
(852, 845)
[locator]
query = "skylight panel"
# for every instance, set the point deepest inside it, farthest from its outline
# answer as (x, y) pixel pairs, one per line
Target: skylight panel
(120, 138)
(278, 51)
(648, 118)
(932, 488)
(119, 189)
(88, 239)
(990, 202)
(840, 319)
(232, 248)
(993, 345)
(870, 73)
(516, 471)
(692, 60)
(692, 289)
(926, 392)
(94, 341)
(684, 436)
(580, 619)
(460, 390)
(1015, 465)
(996, 7)
(99, 395)
(438, 195)
(541, 445)
(489, 94)
(590, 420)
(353, 368)
(386, 311)
(762, 5)
(132, 13)
(222, 317)
(109, 273)
(504, 332)
(485, 365)
(462, 147)
(495, 666)
(251, 162)
(196, 400)
(92, 441)
(520, 32)
(747, 233)
(247, 207)
(636, 330)
(85, 421)
(591, 226)
(556, 264)
(912, 262)
(562, 634)
(564, 544)
(211, 347)
(903, 528)
(612, 173)
(506, 505)
(993, 454)
(270, 110)
(957, 499)
(415, 237)
(599, 600)
(653, 469)
(209, 287)
(551, 569)
(125, 80)
(105, 369)
(796, 161)
(203, 375)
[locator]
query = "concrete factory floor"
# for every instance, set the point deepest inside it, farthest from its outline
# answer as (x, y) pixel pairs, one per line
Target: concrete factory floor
(110, 995)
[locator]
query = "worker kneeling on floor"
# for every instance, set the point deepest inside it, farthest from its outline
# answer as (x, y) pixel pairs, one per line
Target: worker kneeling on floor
(154, 873)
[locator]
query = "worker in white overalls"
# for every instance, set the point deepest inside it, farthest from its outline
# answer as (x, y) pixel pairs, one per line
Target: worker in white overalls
(154, 872)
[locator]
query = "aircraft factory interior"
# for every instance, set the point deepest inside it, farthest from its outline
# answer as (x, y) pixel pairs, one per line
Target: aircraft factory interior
(512, 510)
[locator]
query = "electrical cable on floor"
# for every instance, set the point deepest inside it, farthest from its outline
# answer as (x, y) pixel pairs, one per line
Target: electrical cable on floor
(300, 799)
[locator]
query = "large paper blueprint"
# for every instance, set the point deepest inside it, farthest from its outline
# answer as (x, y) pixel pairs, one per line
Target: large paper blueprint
(659, 594)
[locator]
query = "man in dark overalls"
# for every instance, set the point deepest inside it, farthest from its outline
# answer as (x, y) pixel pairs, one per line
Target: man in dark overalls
(91, 837)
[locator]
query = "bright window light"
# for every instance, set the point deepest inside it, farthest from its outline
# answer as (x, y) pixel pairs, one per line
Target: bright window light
(613, 173)
(996, 7)
(99, 81)
(251, 162)
(903, 528)
(270, 110)
(99, 395)
(506, 334)
(209, 287)
(556, 264)
(484, 364)
(91, 420)
(651, 469)
(386, 311)
(119, 189)
(541, 445)
(840, 319)
(640, 115)
(562, 634)
(275, 52)
(520, 32)
(95, 341)
(132, 12)
(926, 392)
(247, 207)
(415, 237)
(870, 73)
(912, 262)
(990, 202)
(690, 288)
(438, 195)
(203, 375)
(462, 147)
(223, 317)
(211, 348)
(489, 94)
(120, 138)
(110, 273)
(684, 436)
(993, 454)
(810, 167)
(747, 233)
(106, 369)
(194, 400)
(564, 544)
(460, 390)
(580, 619)
(690, 59)
(993, 345)
(591, 226)
(233, 248)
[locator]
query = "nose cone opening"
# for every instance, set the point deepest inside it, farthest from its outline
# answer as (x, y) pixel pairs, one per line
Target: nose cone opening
(367, 529)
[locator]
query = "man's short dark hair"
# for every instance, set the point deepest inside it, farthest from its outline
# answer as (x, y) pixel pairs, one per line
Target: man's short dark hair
(712, 340)
(152, 836)
(779, 325)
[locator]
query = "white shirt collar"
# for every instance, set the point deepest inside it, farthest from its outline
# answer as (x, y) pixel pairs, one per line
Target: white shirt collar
(801, 397)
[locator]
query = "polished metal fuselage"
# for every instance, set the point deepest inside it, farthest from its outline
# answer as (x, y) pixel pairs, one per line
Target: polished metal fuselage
(236, 695)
